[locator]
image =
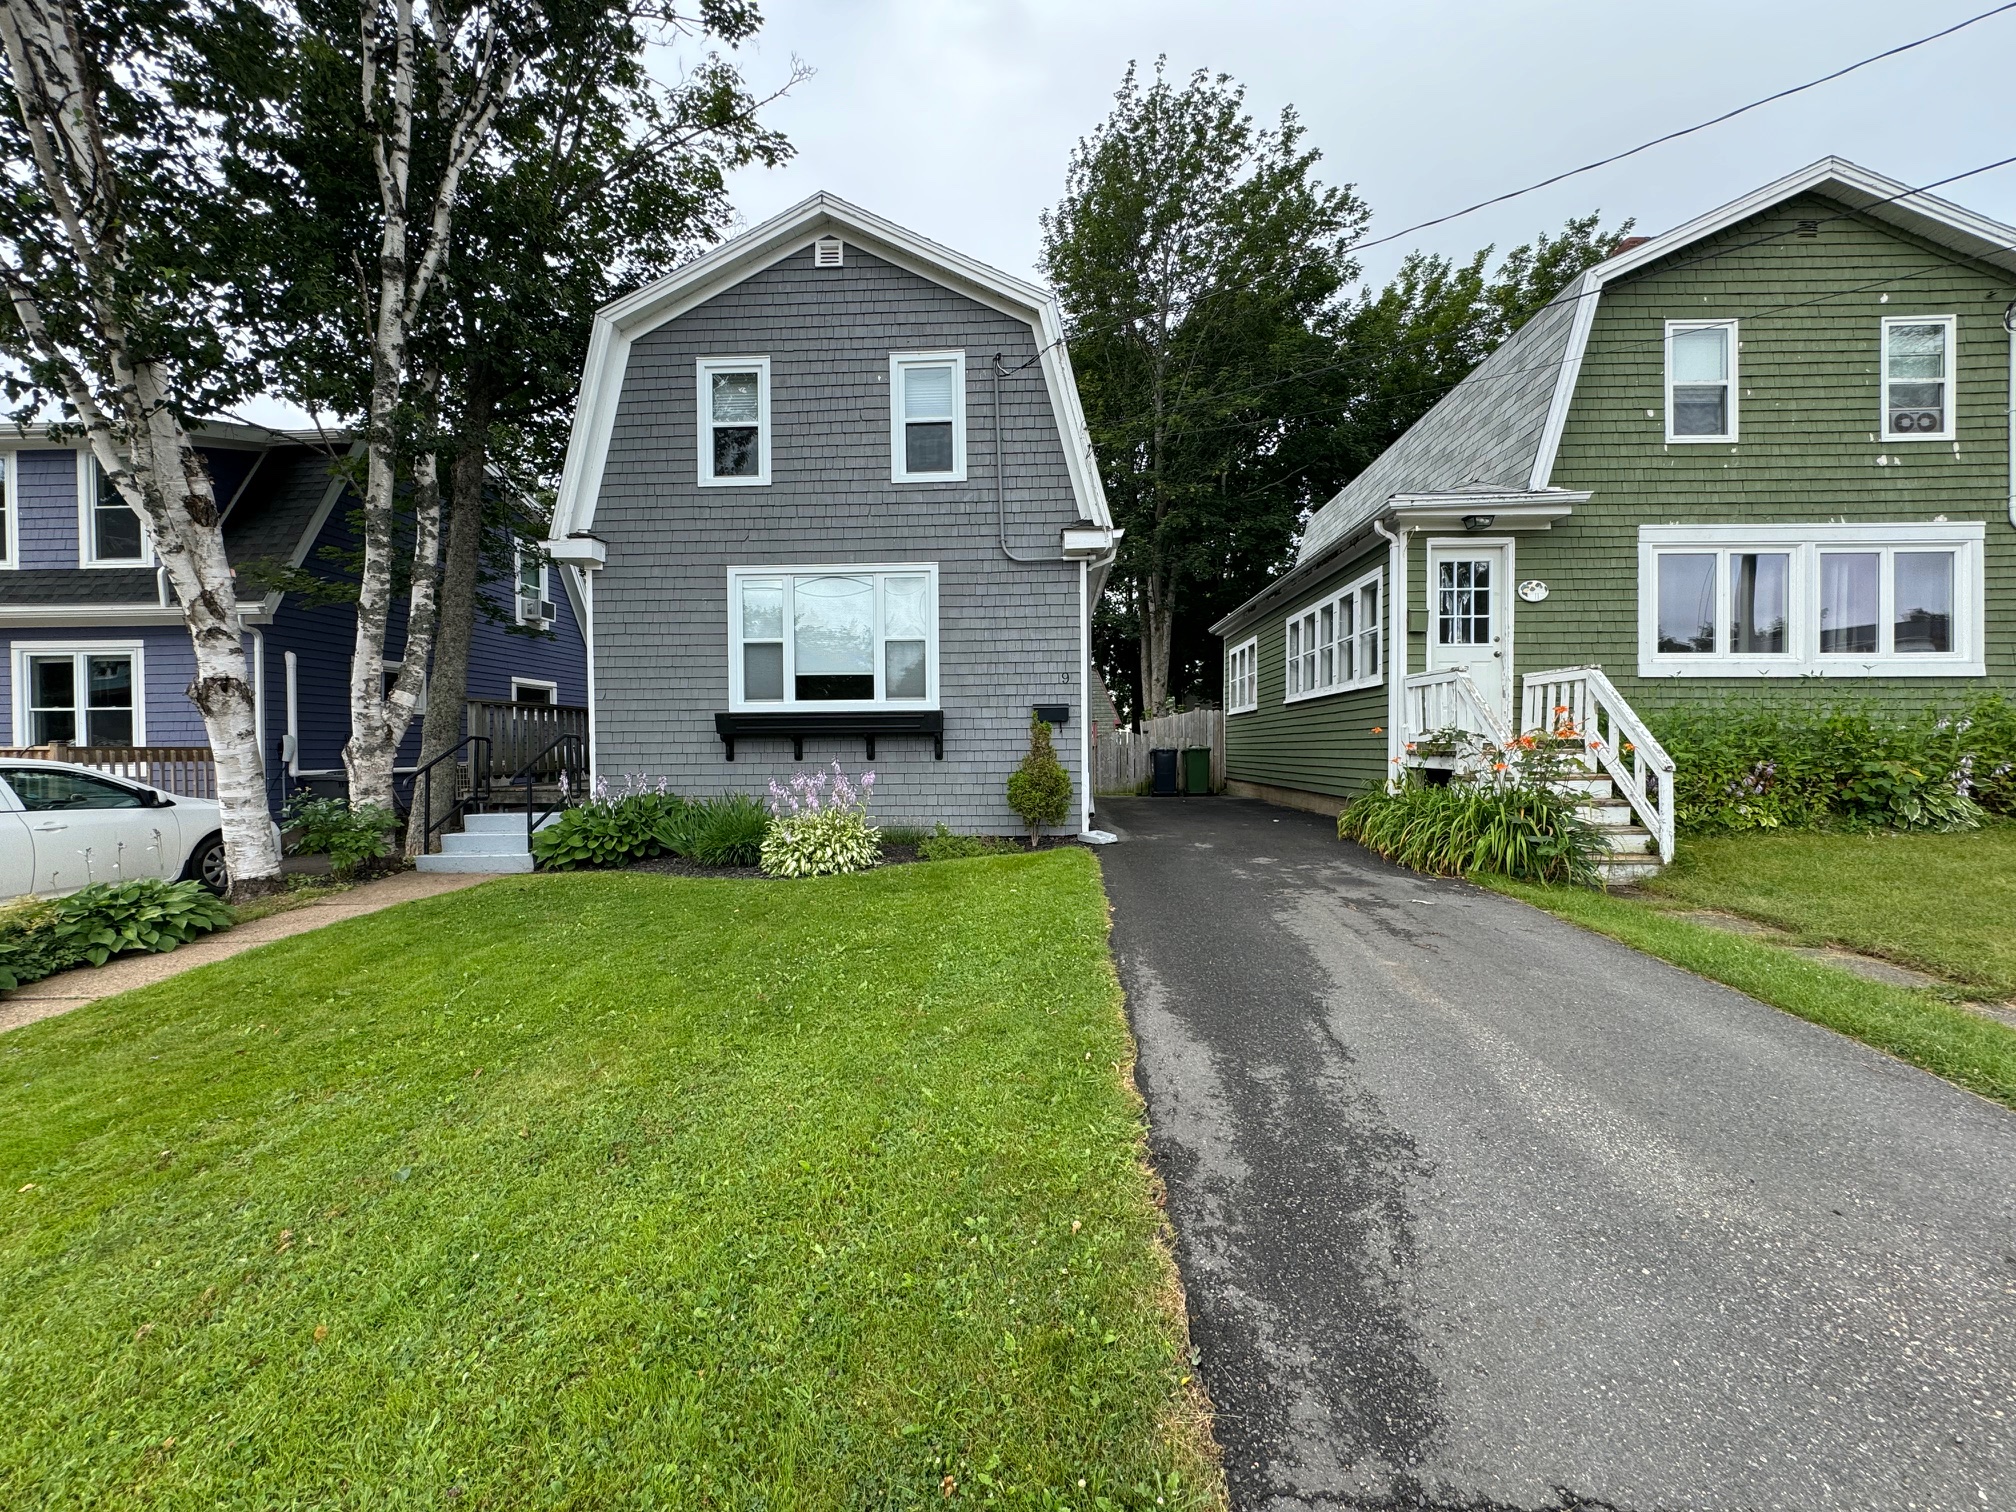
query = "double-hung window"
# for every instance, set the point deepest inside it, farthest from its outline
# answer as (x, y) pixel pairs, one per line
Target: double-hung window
(833, 637)
(927, 400)
(1242, 678)
(81, 695)
(534, 607)
(1918, 377)
(734, 420)
(111, 530)
(1700, 380)
(1810, 600)
(1335, 644)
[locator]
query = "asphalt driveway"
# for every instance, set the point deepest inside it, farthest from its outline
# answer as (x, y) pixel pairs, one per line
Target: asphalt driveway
(1478, 1211)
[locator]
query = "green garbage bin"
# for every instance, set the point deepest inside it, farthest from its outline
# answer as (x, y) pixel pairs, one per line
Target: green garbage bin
(1197, 771)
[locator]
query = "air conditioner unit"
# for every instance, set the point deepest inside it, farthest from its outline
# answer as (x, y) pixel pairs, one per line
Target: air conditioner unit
(536, 609)
(1904, 421)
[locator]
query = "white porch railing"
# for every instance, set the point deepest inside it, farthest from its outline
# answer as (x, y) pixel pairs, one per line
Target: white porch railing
(1438, 703)
(1615, 739)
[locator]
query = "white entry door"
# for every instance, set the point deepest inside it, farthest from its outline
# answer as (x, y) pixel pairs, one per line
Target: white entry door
(1470, 616)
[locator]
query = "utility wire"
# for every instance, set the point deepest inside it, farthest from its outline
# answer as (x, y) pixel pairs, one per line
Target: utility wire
(1727, 115)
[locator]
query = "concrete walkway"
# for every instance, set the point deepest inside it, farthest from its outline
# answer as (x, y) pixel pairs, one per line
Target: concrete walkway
(1479, 1211)
(73, 989)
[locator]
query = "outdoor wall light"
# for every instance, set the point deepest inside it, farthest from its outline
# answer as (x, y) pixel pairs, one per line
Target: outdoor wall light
(1478, 522)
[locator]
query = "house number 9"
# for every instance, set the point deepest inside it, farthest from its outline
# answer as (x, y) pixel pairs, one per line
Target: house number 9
(1532, 590)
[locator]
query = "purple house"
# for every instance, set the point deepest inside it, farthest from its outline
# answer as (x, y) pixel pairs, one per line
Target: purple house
(97, 656)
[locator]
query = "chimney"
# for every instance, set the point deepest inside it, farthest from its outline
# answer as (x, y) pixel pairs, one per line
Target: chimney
(1629, 242)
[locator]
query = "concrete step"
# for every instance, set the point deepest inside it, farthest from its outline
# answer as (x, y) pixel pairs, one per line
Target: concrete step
(449, 861)
(497, 821)
(485, 843)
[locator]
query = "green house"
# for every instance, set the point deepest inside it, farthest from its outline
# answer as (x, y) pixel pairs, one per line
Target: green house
(1769, 452)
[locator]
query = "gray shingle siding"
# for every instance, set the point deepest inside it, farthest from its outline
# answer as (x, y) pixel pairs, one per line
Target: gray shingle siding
(1008, 631)
(1485, 432)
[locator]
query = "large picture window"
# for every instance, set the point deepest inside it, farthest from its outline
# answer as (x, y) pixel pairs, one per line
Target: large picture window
(1335, 645)
(833, 637)
(1797, 601)
(1918, 378)
(1700, 380)
(78, 695)
(927, 395)
(1242, 678)
(112, 533)
(734, 421)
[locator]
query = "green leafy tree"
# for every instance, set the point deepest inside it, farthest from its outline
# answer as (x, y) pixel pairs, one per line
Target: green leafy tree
(1039, 790)
(1202, 268)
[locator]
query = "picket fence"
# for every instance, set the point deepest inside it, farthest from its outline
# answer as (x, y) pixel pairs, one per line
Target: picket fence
(1120, 760)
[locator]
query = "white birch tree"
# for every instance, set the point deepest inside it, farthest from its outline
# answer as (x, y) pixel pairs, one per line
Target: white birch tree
(105, 329)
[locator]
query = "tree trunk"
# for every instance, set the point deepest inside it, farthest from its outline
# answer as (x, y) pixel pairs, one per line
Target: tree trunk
(461, 572)
(1157, 621)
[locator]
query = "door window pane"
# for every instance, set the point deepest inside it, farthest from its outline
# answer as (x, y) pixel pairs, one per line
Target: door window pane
(1463, 592)
(1848, 602)
(1924, 603)
(833, 645)
(52, 699)
(1757, 612)
(1687, 603)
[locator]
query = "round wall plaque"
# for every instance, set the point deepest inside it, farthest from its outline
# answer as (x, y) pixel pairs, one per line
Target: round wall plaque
(1532, 590)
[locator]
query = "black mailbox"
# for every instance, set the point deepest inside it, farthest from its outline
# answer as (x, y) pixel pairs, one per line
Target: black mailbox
(1052, 714)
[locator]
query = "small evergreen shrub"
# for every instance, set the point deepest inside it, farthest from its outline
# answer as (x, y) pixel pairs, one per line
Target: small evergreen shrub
(1742, 766)
(819, 829)
(40, 937)
(347, 836)
(1511, 828)
(943, 845)
(1039, 790)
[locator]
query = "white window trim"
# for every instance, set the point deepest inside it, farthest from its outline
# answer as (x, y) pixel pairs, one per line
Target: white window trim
(703, 418)
(534, 682)
(87, 534)
(390, 671)
(1376, 577)
(11, 544)
(790, 704)
(518, 586)
(1952, 324)
(1249, 650)
(1805, 543)
(22, 650)
(1675, 327)
(898, 361)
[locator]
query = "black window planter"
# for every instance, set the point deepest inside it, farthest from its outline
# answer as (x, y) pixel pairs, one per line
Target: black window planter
(797, 727)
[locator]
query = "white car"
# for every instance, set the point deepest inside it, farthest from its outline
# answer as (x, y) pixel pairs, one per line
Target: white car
(63, 827)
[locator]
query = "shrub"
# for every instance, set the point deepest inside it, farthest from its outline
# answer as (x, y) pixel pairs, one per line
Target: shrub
(1514, 828)
(106, 919)
(1743, 766)
(723, 831)
(610, 828)
(1039, 790)
(905, 834)
(816, 831)
(946, 846)
(347, 836)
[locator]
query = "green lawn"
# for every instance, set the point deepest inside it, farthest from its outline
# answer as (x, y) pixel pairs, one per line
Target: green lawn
(1882, 894)
(1944, 903)
(603, 1191)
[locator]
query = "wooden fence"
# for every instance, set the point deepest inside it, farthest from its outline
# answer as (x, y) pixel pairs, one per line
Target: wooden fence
(186, 771)
(1120, 760)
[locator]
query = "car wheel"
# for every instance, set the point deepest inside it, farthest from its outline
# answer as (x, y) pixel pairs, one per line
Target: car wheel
(206, 865)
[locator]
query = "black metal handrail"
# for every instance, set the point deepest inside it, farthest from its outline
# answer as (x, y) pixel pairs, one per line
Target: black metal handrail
(478, 747)
(527, 777)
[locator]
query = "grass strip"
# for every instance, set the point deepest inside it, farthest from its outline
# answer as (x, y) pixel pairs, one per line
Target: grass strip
(1915, 1026)
(604, 1190)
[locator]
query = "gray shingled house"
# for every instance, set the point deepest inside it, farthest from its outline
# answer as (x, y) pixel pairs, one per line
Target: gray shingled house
(833, 491)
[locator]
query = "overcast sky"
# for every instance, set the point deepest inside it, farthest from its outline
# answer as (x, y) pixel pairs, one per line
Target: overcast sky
(957, 117)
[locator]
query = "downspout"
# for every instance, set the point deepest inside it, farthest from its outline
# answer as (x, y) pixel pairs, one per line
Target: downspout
(1396, 647)
(2009, 325)
(290, 743)
(259, 693)
(1085, 694)
(588, 643)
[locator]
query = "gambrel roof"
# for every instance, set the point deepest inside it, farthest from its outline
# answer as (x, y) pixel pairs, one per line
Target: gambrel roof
(1499, 428)
(622, 321)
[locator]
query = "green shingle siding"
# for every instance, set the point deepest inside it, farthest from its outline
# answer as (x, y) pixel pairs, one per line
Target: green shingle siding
(1322, 745)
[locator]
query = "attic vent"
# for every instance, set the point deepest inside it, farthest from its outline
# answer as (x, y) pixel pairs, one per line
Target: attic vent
(826, 252)
(1809, 228)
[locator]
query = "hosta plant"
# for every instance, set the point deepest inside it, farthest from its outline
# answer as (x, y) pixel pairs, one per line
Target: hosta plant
(609, 827)
(347, 836)
(819, 826)
(113, 918)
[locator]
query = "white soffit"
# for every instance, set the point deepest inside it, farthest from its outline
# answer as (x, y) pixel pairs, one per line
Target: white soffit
(622, 321)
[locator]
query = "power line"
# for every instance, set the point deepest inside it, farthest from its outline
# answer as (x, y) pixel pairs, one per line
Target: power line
(1727, 115)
